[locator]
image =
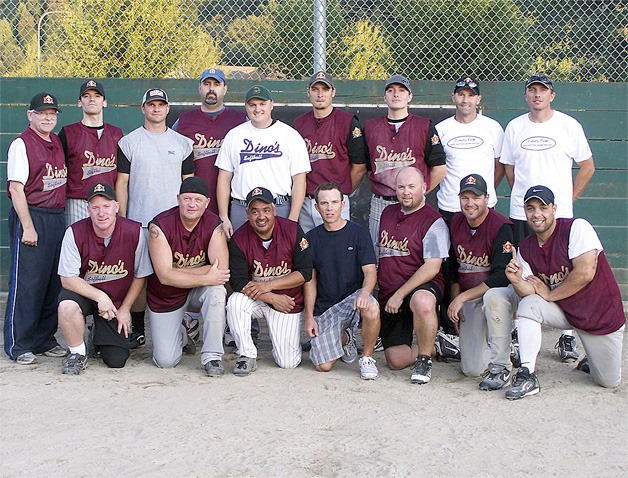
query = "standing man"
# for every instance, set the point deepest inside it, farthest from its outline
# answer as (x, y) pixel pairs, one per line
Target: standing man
(207, 127)
(413, 241)
(191, 260)
(540, 147)
(472, 144)
(396, 141)
(153, 160)
(336, 147)
(270, 262)
(564, 280)
(91, 150)
(104, 260)
(482, 301)
(339, 294)
(265, 153)
(36, 177)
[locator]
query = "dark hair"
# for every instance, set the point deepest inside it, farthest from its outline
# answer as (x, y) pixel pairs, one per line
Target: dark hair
(328, 187)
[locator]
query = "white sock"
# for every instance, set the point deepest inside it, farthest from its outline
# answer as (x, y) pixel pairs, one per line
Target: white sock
(568, 332)
(530, 338)
(79, 349)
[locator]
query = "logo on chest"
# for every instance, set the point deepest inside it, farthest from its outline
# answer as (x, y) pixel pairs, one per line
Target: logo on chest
(99, 273)
(390, 246)
(259, 152)
(96, 165)
(388, 160)
(267, 272)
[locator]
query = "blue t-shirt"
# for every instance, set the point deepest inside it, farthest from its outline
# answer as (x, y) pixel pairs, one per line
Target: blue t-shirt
(338, 257)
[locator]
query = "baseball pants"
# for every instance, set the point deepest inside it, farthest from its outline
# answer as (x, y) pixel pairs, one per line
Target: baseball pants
(75, 210)
(169, 334)
(377, 207)
(603, 351)
(284, 329)
(309, 217)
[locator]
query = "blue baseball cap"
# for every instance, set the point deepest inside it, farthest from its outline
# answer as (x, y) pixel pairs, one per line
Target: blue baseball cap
(217, 75)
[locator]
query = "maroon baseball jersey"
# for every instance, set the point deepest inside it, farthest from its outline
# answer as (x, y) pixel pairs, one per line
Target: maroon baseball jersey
(274, 262)
(390, 150)
(90, 159)
(597, 307)
(208, 132)
(109, 268)
(474, 252)
(189, 249)
(401, 247)
(326, 141)
(47, 175)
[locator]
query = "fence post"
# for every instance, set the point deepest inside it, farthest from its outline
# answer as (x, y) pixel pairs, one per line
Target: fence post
(320, 35)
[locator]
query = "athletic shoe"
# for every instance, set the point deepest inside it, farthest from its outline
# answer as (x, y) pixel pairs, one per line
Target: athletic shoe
(245, 366)
(214, 368)
(566, 346)
(306, 346)
(495, 377)
(515, 359)
(191, 324)
(56, 351)
(368, 369)
(583, 365)
(447, 347)
(228, 339)
(421, 370)
(75, 364)
(136, 340)
(190, 347)
(350, 349)
(379, 346)
(525, 384)
(27, 358)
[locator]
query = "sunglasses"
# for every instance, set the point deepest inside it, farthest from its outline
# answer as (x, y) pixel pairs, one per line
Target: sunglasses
(470, 84)
(540, 78)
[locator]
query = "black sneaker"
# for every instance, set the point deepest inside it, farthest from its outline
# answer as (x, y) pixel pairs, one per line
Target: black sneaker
(566, 346)
(514, 350)
(136, 340)
(495, 377)
(447, 347)
(75, 364)
(422, 370)
(525, 384)
(583, 365)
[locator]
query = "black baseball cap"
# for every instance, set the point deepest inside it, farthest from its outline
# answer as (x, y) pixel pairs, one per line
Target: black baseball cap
(542, 79)
(260, 194)
(195, 185)
(321, 77)
(399, 80)
(475, 183)
(92, 85)
(154, 94)
(542, 193)
(101, 189)
(467, 82)
(44, 101)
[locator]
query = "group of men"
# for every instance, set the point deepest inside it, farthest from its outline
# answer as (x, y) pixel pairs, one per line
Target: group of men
(244, 220)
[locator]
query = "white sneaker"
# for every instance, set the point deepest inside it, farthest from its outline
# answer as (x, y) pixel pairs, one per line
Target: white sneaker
(368, 369)
(350, 350)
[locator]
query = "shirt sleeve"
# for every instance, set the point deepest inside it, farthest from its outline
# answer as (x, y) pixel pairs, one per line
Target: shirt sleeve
(502, 253)
(506, 155)
(499, 140)
(301, 256)
(223, 160)
(436, 241)
(527, 270)
(434, 153)
(18, 168)
(70, 258)
(367, 250)
(143, 266)
(187, 167)
(583, 238)
(64, 141)
(124, 165)
(238, 267)
(356, 145)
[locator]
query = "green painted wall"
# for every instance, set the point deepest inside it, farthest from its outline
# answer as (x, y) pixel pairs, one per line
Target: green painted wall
(600, 107)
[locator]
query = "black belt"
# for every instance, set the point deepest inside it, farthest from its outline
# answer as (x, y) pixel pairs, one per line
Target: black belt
(387, 198)
(279, 200)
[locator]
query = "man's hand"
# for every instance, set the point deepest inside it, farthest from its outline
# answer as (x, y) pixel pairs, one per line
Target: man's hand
(123, 317)
(254, 289)
(217, 276)
(454, 311)
(514, 269)
(394, 304)
(227, 227)
(106, 309)
(311, 327)
(281, 302)
(29, 237)
(362, 301)
(540, 288)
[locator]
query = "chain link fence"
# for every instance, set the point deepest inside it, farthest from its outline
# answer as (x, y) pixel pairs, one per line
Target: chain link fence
(495, 40)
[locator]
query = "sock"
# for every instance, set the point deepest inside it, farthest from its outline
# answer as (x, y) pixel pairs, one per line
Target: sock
(530, 338)
(568, 332)
(79, 349)
(137, 322)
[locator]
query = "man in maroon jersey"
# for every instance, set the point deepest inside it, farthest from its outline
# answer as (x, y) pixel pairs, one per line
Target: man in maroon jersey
(270, 262)
(188, 248)
(207, 127)
(91, 150)
(483, 302)
(413, 241)
(336, 147)
(104, 260)
(565, 281)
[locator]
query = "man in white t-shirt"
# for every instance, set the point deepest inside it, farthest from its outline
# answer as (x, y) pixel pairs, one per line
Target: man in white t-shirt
(540, 147)
(262, 152)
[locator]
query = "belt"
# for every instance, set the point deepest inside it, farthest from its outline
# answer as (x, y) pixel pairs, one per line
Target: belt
(279, 200)
(387, 198)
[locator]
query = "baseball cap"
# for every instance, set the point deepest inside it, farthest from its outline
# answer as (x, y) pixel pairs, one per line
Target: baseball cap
(321, 77)
(154, 94)
(400, 80)
(260, 194)
(475, 183)
(542, 79)
(542, 193)
(258, 91)
(44, 101)
(195, 185)
(92, 85)
(217, 75)
(467, 82)
(101, 189)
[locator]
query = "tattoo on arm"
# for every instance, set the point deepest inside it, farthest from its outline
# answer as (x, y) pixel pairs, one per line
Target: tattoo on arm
(154, 232)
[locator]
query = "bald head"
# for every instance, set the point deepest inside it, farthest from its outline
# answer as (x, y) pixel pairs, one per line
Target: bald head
(411, 189)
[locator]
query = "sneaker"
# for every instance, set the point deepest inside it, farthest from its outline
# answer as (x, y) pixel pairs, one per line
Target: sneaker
(190, 347)
(245, 366)
(27, 358)
(566, 346)
(495, 377)
(191, 324)
(422, 370)
(228, 339)
(525, 384)
(368, 369)
(306, 346)
(379, 346)
(56, 351)
(214, 368)
(515, 359)
(75, 364)
(136, 340)
(447, 347)
(583, 365)
(350, 350)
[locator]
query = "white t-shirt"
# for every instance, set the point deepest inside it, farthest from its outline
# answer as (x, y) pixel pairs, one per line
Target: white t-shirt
(267, 157)
(470, 149)
(18, 168)
(543, 154)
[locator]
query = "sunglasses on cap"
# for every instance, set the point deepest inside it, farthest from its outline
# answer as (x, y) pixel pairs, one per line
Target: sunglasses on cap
(470, 84)
(543, 79)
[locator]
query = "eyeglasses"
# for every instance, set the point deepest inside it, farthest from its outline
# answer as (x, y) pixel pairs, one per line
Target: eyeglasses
(46, 115)
(470, 84)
